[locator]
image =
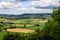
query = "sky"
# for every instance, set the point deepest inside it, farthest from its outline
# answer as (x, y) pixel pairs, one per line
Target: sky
(27, 6)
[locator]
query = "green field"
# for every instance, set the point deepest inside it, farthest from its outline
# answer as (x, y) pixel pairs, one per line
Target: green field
(31, 24)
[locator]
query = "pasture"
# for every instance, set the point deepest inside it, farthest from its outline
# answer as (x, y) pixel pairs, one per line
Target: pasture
(24, 23)
(20, 26)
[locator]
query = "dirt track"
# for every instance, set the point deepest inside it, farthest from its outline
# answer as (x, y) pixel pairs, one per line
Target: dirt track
(20, 30)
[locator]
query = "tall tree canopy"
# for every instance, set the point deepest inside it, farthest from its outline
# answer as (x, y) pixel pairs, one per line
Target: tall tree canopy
(51, 31)
(56, 15)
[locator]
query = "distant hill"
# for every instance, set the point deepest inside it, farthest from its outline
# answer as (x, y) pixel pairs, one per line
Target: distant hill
(26, 16)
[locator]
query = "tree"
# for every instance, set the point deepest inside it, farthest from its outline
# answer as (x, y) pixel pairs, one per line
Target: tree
(1, 26)
(37, 24)
(36, 35)
(56, 15)
(51, 31)
(24, 25)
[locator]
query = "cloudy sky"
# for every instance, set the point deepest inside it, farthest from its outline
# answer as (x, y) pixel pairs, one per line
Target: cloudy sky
(27, 6)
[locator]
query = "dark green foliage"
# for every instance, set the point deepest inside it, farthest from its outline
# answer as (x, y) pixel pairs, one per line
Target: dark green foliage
(51, 31)
(13, 36)
(56, 15)
(37, 35)
(0, 29)
(37, 24)
(1, 25)
(12, 27)
(24, 25)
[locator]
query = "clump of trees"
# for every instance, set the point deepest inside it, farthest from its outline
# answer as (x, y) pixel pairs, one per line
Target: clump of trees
(51, 31)
(1, 26)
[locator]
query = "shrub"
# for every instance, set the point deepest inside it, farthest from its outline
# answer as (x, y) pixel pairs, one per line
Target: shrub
(13, 36)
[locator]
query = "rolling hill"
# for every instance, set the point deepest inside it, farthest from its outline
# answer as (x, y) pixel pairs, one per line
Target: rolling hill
(26, 16)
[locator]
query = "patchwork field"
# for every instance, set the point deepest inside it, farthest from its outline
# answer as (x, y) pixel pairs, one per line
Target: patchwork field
(20, 26)
(23, 23)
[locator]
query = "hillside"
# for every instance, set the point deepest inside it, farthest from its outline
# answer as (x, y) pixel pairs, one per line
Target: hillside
(26, 16)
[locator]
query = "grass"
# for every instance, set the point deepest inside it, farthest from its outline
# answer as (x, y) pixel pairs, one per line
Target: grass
(30, 27)
(1, 35)
(18, 24)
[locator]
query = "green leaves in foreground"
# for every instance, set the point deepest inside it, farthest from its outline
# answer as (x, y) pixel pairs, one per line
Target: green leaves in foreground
(51, 30)
(13, 36)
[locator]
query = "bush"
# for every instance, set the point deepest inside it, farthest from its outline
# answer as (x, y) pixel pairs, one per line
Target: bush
(0, 29)
(13, 36)
(51, 31)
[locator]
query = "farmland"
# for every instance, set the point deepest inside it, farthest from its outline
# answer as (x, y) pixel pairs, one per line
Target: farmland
(29, 23)
(24, 25)
(21, 26)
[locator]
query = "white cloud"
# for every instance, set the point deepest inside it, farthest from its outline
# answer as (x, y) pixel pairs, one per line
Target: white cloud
(19, 0)
(11, 6)
(10, 0)
(6, 4)
(40, 3)
(44, 3)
